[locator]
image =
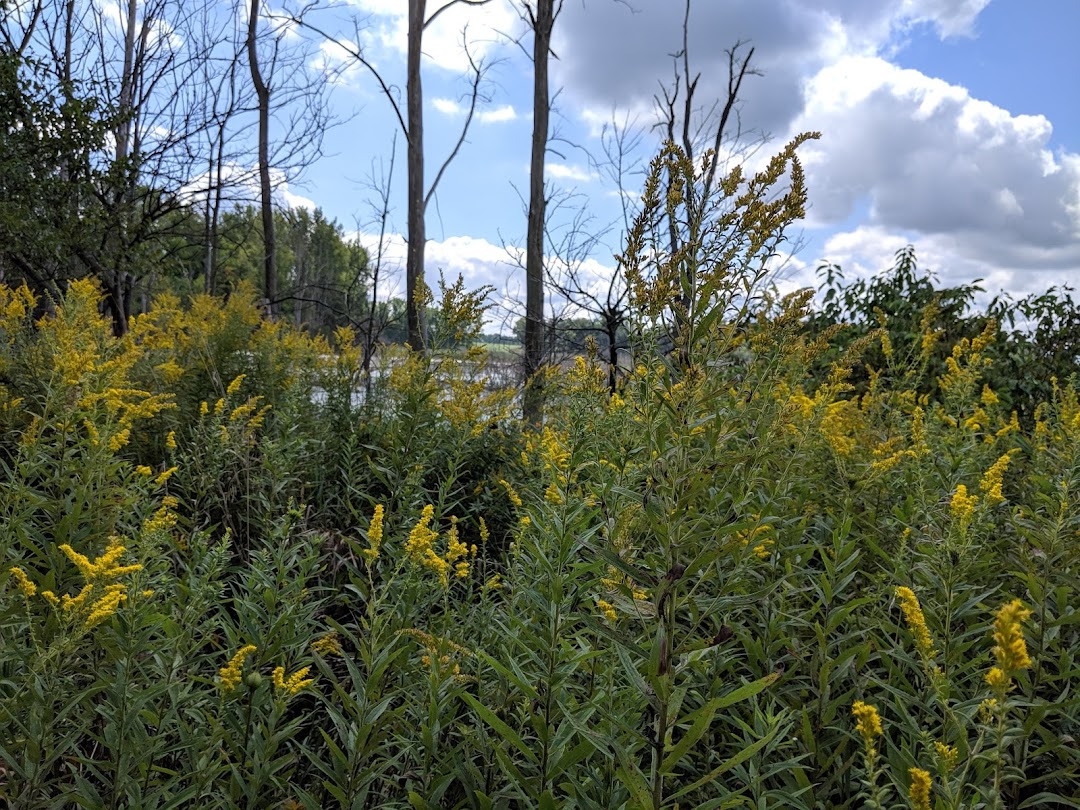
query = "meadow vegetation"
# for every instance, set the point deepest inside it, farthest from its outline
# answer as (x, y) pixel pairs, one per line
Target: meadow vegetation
(785, 564)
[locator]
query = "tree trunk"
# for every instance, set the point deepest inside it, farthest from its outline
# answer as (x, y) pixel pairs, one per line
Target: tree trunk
(414, 263)
(262, 93)
(542, 24)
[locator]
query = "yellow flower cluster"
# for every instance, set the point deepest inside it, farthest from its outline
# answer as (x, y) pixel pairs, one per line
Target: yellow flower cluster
(99, 597)
(867, 721)
(916, 622)
(919, 794)
(992, 480)
(440, 651)
(22, 582)
(233, 671)
(511, 493)
(759, 539)
(962, 506)
(964, 364)
(607, 609)
(374, 534)
(1010, 649)
(327, 645)
(294, 683)
(615, 580)
(947, 755)
(839, 425)
(420, 548)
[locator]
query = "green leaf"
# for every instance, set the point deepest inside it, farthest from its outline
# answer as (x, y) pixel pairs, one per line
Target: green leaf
(726, 765)
(500, 727)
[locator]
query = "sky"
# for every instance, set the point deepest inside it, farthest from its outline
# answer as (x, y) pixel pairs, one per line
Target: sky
(952, 125)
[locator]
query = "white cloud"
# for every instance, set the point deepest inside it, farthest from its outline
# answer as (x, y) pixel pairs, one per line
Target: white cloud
(497, 115)
(932, 161)
(242, 188)
(562, 171)
(447, 106)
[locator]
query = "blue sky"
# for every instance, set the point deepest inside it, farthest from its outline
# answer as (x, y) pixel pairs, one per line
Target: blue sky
(950, 124)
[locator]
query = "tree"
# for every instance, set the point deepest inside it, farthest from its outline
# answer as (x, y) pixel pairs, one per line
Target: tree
(156, 68)
(46, 176)
(411, 122)
(541, 20)
(266, 205)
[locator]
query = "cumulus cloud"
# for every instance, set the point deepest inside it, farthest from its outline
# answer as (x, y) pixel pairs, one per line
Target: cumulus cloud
(932, 162)
(563, 171)
(242, 188)
(904, 157)
(497, 115)
(612, 54)
(447, 106)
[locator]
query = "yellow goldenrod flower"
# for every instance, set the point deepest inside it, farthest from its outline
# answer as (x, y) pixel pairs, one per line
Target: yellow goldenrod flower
(232, 672)
(142, 469)
(991, 481)
(375, 534)
(511, 493)
(455, 549)
(840, 421)
(962, 506)
(919, 794)
(1012, 427)
(494, 583)
(234, 386)
(607, 609)
(947, 756)
(485, 535)
(204, 409)
(23, 583)
(106, 606)
(421, 537)
(170, 440)
(997, 679)
(1009, 647)
(461, 570)
(119, 439)
(327, 645)
(294, 683)
(916, 622)
(73, 604)
(867, 721)
(164, 476)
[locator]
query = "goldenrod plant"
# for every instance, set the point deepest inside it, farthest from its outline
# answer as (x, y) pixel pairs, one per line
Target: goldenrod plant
(782, 562)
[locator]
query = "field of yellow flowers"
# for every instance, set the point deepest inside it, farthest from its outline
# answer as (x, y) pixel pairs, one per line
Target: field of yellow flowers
(755, 575)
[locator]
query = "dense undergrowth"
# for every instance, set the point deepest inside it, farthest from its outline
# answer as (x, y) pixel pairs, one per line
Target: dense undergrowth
(762, 573)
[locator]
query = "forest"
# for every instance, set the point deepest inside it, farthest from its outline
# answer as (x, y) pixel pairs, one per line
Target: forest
(274, 537)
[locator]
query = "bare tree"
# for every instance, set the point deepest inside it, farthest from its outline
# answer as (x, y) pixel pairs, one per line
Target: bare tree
(266, 203)
(540, 17)
(411, 121)
(605, 300)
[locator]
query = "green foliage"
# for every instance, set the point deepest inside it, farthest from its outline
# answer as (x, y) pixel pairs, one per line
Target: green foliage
(238, 570)
(1037, 338)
